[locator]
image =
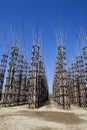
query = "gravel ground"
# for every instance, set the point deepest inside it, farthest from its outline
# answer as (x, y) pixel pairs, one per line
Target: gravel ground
(48, 117)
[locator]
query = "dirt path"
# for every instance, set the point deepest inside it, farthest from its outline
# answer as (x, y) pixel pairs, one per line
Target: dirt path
(48, 117)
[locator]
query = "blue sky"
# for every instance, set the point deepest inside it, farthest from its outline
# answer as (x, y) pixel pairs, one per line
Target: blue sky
(44, 13)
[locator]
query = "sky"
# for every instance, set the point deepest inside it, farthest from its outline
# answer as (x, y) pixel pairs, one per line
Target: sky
(24, 15)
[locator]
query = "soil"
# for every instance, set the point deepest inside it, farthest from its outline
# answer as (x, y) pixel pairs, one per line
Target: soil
(48, 117)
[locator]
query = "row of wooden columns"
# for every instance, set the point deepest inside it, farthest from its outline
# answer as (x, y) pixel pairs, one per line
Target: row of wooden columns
(70, 85)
